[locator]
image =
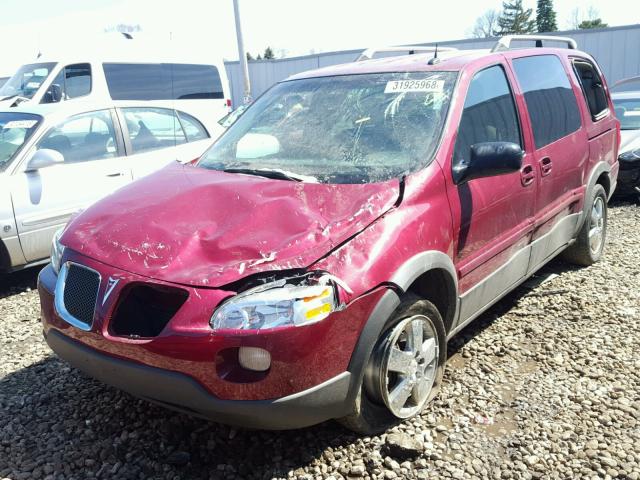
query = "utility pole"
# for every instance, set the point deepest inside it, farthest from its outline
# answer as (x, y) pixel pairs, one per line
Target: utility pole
(243, 56)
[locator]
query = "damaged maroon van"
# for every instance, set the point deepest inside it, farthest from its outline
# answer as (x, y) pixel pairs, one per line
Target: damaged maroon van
(315, 261)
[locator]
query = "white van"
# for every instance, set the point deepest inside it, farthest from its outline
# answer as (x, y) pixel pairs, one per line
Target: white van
(186, 83)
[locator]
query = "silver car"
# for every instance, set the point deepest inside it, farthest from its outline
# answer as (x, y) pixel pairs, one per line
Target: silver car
(626, 101)
(57, 159)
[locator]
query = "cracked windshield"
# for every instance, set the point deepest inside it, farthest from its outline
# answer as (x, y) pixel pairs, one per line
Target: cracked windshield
(345, 129)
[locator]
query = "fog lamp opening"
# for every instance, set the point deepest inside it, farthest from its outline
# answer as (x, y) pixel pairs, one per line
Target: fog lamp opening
(254, 358)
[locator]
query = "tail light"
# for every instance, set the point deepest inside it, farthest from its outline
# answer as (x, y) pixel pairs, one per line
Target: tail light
(229, 102)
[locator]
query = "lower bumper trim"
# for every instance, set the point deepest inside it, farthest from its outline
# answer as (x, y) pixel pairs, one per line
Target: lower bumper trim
(180, 392)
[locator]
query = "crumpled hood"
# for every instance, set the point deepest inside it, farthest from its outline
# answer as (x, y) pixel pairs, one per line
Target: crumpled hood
(630, 140)
(208, 228)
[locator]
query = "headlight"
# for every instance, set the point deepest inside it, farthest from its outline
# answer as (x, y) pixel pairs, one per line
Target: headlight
(57, 249)
(277, 304)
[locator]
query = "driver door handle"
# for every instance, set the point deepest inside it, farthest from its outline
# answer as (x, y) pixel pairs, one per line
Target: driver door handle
(115, 174)
(527, 175)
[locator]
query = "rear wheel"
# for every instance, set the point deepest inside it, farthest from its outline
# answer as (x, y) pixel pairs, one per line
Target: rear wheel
(405, 368)
(590, 241)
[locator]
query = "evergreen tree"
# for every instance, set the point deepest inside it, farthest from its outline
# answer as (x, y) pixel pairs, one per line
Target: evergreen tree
(249, 56)
(546, 16)
(593, 23)
(268, 54)
(515, 19)
(259, 57)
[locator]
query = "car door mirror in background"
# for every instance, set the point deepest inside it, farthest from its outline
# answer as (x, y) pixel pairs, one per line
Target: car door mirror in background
(488, 159)
(43, 158)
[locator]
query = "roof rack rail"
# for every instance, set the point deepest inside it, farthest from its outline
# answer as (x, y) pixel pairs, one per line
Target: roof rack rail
(370, 52)
(504, 43)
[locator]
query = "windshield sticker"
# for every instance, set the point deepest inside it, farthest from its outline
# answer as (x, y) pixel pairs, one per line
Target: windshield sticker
(632, 113)
(406, 86)
(20, 124)
(33, 85)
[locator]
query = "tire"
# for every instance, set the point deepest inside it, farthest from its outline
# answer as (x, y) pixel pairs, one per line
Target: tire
(374, 409)
(584, 250)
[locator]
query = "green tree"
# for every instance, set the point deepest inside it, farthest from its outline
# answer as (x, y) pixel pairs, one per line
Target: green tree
(259, 57)
(514, 19)
(546, 16)
(268, 54)
(249, 56)
(592, 23)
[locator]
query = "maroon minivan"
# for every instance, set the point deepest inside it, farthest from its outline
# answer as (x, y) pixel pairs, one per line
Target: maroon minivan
(315, 261)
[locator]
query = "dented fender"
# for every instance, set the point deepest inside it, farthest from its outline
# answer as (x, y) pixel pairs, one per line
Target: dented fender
(207, 228)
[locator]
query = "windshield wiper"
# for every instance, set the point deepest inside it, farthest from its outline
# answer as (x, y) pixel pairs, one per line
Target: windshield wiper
(274, 173)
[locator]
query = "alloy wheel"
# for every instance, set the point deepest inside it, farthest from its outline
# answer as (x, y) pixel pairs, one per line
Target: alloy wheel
(596, 225)
(404, 367)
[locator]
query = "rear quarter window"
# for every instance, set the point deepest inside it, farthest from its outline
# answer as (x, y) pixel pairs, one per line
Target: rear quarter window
(196, 82)
(162, 81)
(550, 100)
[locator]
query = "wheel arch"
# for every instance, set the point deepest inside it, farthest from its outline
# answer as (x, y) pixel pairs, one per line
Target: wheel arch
(5, 259)
(431, 275)
(600, 175)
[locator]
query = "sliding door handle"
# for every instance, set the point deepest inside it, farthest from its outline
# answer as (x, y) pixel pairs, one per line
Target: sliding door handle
(545, 166)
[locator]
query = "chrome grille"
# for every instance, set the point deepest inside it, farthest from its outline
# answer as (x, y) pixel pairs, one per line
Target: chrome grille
(81, 293)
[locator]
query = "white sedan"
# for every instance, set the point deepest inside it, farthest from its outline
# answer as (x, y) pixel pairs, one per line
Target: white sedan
(57, 159)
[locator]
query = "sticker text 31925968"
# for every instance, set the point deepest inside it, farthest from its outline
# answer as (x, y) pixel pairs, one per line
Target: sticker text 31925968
(425, 85)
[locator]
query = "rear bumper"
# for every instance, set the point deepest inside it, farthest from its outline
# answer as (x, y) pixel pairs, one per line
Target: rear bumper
(180, 392)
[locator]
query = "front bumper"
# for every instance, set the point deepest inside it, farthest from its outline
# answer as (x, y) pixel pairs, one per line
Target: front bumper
(181, 392)
(309, 381)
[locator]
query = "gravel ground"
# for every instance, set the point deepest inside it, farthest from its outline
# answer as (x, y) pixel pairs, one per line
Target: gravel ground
(544, 385)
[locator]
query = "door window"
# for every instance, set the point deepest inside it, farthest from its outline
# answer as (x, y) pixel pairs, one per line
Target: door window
(552, 105)
(83, 138)
(192, 128)
(71, 82)
(489, 113)
(592, 88)
(152, 128)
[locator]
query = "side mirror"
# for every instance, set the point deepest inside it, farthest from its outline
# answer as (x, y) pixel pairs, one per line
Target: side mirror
(44, 158)
(489, 159)
(53, 95)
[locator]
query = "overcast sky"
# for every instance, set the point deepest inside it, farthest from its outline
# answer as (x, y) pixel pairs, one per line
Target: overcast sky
(290, 27)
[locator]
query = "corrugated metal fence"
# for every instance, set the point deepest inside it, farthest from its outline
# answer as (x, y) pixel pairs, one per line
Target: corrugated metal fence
(617, 50)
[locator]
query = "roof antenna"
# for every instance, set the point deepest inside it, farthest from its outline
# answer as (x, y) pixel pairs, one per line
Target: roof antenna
(435, 59)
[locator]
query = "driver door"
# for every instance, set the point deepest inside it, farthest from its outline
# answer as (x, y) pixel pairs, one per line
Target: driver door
(94, 166)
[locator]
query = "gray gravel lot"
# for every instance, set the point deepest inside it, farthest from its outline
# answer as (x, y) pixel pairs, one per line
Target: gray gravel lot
(544, 385)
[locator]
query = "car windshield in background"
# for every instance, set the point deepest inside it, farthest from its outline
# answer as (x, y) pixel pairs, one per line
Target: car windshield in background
(15, 130)
(628, 112)
(26, 81)
(343, 129)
